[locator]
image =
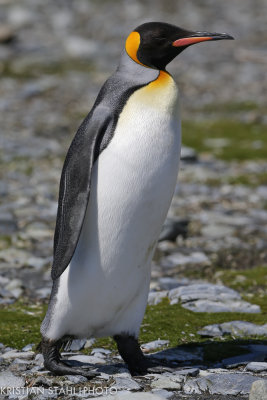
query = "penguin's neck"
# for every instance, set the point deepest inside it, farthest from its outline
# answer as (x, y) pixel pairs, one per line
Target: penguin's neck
(136, 72)
(159, 89)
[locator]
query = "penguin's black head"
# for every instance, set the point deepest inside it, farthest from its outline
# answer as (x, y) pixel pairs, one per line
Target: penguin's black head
(155, 44)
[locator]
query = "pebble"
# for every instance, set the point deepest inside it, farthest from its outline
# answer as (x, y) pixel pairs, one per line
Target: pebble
(87, 359)
(207, 297)
(17, 354)
(176, 259)
(224, 384)
(154, 345)
(217, 231)
(235, 328)
(8, 379)
(77, 379)
(132, 396)
(75, 345)
(166, 383)
(126, 383)
(102, 351)
(155, 298)
(188, 154)
(188, 372)
(258, 390)
(257, 366)
(166, 394)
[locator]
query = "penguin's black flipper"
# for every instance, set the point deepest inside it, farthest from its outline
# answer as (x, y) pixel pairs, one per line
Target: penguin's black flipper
(75, 182)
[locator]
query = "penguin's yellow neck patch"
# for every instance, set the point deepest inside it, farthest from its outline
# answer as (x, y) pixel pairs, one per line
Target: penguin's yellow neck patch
(163, 79)
(132, 46)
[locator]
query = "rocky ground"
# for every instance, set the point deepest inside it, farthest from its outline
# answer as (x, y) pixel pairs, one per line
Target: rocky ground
(206, 317)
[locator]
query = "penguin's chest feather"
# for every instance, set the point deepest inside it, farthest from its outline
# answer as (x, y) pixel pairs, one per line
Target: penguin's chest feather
(135, 175)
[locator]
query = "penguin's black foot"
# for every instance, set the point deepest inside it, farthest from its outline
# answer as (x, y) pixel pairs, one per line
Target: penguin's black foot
(131, 353)
(53, 363)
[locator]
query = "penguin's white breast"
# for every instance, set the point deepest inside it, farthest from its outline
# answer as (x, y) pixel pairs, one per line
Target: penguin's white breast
(135, 175)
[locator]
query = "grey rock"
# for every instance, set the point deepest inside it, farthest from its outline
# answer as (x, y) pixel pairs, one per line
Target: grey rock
(39, 359)
(177, 259)
(166, 394)
(257, 366)
(154, 345)
(7, 223)
(18, 16)
(80, 47)
(125, 395)
(221, 383)
(7, 379)
(16, 292)
(43, 381)
(6, 34)
(188, 372)
(18, 354)
(13, 256)
(167, 283)
(258, 390)
(100, 351)
(188, 154)
(38, 262)
(87, 359)
(203, 291)
(155, 298)
(207, 297)
(226, 306)
(89, 343)
(75, 345)
(76, 378)
(213, 330)
(168, 383)
(126, 383)
(235, 328)
(43, 293)
(7, 301)
(217, 231)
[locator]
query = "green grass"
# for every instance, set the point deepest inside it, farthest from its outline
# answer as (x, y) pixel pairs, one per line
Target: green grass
(174, 323)
(250, 179)
(253, 280)
(20, 324)
(246, 141)
(231, 107)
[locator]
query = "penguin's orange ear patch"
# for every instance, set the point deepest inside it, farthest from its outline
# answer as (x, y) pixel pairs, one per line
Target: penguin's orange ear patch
(132, 46)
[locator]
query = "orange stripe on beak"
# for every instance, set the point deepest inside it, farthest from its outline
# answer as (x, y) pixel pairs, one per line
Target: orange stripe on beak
(190, 40)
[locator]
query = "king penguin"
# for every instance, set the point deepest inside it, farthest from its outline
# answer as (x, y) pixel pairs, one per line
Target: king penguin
(116, 187)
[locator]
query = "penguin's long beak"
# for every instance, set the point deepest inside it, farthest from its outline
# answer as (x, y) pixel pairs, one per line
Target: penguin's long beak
(197, 37)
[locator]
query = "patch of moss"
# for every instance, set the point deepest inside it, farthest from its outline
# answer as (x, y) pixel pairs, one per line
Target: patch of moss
(231, 107)
(20, 324)
(46, 68)
(248, 180)
(241, 138)
(253, 280)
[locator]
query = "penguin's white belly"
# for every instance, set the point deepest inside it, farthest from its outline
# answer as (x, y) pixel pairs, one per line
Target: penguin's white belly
(104, 289)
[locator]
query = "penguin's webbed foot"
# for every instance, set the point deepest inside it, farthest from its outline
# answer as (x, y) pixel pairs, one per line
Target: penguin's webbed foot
(137, 363)
(57, 366)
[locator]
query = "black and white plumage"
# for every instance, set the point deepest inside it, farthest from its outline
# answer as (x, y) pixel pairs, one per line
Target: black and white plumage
(115, 190)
